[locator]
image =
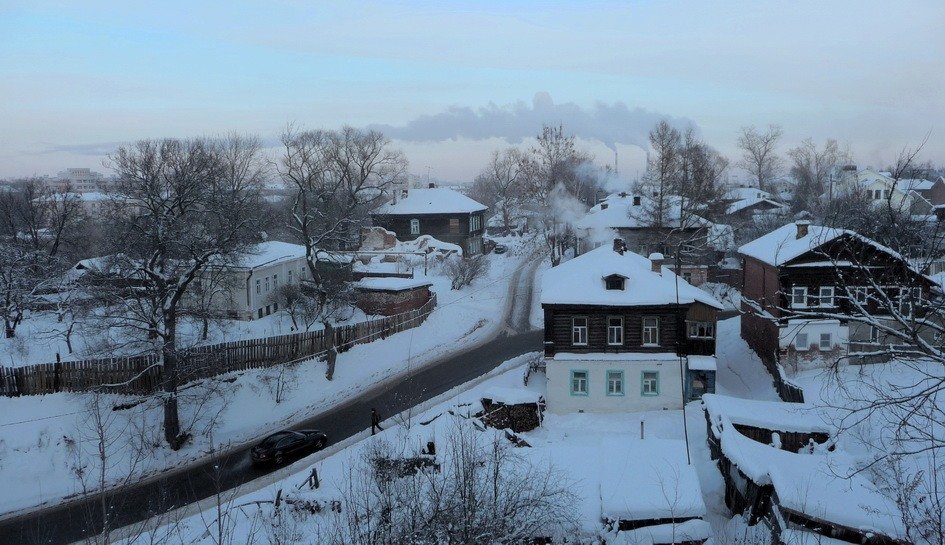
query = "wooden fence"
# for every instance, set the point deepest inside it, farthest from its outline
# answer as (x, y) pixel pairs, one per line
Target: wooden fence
(142, 374)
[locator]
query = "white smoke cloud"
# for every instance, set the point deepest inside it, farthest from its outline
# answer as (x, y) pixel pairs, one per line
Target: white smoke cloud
(610, 124)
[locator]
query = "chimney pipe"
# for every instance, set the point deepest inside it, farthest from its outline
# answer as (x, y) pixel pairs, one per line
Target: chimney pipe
(802, 228)
(619, 246)
(656, 260)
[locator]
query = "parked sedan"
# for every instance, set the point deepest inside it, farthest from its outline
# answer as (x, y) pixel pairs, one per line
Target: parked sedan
(281, 446)
(501, 248)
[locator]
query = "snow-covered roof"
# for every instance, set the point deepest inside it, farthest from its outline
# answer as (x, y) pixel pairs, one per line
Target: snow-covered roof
(616, 356)
(743, 193)
(782, 245)
(580, 281)
(391, 284)
(702, 363)
(746, 203)
(769, 415)
(271, 252)
(915, 184)
(648, 479)
(824, 485)
(511, 395)
(617, 211)
(431, 200)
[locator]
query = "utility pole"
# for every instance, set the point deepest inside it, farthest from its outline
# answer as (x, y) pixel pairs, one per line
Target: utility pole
(682, 371)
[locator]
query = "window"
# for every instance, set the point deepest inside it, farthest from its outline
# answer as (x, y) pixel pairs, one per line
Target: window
(801, 342)
(579, 331)
(614, 331)
(651, 331)
(614, 282)
(908, 299)
(859, 294)
(415, 226)
(636, 201)
(290, 277)
(267, 284)
(615, 383)
(826, 296)
(275, 281)
(260, 312)
(275, 307)
(579, 383)
(650, 383)
(798, 297)
(874, 334)
(687, 276)
(475, 223)
(268, 310)
(454, 226)
(257, 286)
(826, 341)
(701, 330)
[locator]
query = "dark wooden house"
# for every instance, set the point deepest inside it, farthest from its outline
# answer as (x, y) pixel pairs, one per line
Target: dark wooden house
(619, 330)
(442, 213)
(803, 281)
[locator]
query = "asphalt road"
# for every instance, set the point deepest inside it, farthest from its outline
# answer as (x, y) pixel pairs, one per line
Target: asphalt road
(77, 520)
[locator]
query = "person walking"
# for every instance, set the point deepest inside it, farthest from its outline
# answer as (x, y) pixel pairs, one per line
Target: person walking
(375, 421)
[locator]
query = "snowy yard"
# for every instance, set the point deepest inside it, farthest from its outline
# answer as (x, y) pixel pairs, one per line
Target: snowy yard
(46, 441)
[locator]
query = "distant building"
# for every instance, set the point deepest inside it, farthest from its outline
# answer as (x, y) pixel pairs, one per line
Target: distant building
(78, 180)
(619, 331)
(906, 195)
(443, 213)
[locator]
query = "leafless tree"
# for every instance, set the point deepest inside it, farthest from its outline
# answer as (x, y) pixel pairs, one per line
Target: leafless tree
(42, 219)
(462, 272)
(759, 154)
(180, 206)
(814, 172)
(336, 178)
(559, 186)
(500, 185)
(662, 173)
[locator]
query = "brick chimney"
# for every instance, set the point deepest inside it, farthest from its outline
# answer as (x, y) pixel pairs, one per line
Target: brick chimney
(802, 228)
(619, 246)
(656, 261)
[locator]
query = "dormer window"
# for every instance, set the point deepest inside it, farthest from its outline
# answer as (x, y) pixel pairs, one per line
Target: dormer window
(636, 200)
(615, 282)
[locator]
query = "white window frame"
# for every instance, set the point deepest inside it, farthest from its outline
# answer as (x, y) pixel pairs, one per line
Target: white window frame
(579, 331)
(821, 296)
(908, 299)
(414, 226)
(860, 294)
(614, 332)
(615, 382)
(829, 338)
(275, 281)
(707, 330)
(802, 290)
(267, 284)
(651, 332)
(579, 386)
(797, 341)
(649, 386)
(258, 286)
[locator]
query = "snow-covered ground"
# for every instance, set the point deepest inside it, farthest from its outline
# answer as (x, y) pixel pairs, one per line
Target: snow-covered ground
(47, 441)
(568, 440)
(740, 371)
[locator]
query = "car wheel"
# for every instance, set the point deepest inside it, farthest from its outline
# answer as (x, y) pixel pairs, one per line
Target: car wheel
(320, 443)
(278, 458)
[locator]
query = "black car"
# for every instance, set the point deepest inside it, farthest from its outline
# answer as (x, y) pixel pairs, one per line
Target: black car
(281, 446)
(501, 248)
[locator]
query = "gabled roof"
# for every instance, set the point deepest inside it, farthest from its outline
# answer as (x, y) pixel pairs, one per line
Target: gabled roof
(431, 200)
(580, 281)
(742, 193)
(753, 201)
(617, 211)
(269, 252)
(782, 245)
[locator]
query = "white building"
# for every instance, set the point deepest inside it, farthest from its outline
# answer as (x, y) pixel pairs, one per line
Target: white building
(78, 180)
(623, 333)
(249, 288)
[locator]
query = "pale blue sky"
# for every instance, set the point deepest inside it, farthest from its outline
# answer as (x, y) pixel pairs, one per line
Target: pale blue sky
(76, 77)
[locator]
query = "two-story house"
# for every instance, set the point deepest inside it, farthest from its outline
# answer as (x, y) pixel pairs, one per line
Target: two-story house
(623, 333)
(441, 212)
(802, 280)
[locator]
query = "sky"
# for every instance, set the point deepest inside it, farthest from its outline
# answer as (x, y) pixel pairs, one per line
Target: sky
(451, 81)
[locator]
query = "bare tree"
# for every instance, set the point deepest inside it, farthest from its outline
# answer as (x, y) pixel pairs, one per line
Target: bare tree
(336, 178)
(759, 153)
(662, 173)
(40, 218)
(180, 205)
(558, 186)
(501, 183)
(462, 272)
(814, 171)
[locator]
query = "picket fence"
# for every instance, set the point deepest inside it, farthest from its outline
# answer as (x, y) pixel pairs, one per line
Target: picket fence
(143, 374)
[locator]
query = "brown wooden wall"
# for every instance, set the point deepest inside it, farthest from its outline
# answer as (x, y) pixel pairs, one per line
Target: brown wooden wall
(435, 225)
